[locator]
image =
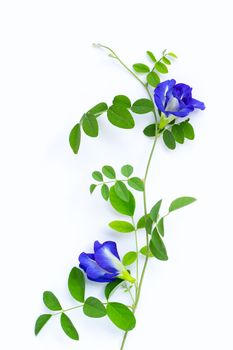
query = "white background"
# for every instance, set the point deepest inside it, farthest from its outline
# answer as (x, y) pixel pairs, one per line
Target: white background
(50, 75)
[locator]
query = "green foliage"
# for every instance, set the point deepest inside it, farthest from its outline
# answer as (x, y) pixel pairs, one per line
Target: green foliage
(93, 307)
(155, 211)
(146, 252)
(136, 183)
(148, 225)
(151, 55)
(153, 79)
(98, 109)
(51, 301)
(142, 106)
(150, 130)
(109, 172)
(76, 284)
(90, 125)
(142, 221)
(97, 176)
(166, 60)
(127, 170)
(160, 226)
(181, 202)
(119, 116)
(92, 188)
(161, 68)
(75, 138)
(169, 139)
(111, 287)
(141, 68)
(122, 100)
(68, 327)
(188, 130)
(157, 246)
(171, 54)
(121, 316)
(105, 192)
(122, 226)
(129, 258)
(178, 133)
(40, 322)
(122, 191)
(123, 207)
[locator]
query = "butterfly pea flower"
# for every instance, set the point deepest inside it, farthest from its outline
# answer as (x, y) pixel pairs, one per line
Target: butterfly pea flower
(175, 99)
(104, 265)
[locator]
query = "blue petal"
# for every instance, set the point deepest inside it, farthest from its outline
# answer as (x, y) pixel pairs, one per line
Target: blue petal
(198, 104)
(183, 112)
(108, 258)
(93, 271)
(162, 94)
(86, 260)
(183, 92)
(97, 245)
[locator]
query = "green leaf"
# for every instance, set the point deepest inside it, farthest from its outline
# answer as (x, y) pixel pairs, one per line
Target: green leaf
(51, 301)
(153, 79)
(142, 221)
(120, 117)
(136, 183)
(146, 252)
(171, 54)
(150, 130)
(125, 208)
(141, 68)
(122, 191)
(68, 327)
(155, 211)
(40, 322)
(90, 125)
(122, 100)
(127, 170)
(93, 307)
(151, 55)
(109, 172)
(75, 138)
(157, 246)
(122, 226)
(105, 192)
(92, 188)
(160, 226)
(178, 133)
(111, 286)
(142, 106)
(169, 139)
(148, 226)
(161, 68)
(166, 60)
(98, 109)
(181, 202)
(76, 284)
(121, 316)
(97, 176)
(188, 130)
(129, 258)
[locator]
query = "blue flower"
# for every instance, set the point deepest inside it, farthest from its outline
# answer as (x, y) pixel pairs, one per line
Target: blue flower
(175, 99)
(105, 264)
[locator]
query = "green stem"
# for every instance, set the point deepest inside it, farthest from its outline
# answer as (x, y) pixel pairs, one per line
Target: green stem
(72, 308)
(137, 251)
(109, 182)
(145, 85)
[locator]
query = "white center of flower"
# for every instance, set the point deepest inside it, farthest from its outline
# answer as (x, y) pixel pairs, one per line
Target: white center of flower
(173, 105)
(115, 262)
